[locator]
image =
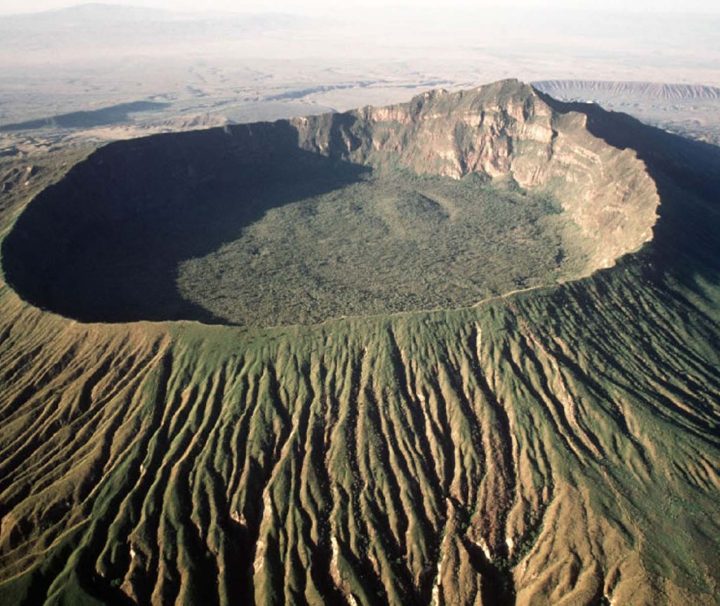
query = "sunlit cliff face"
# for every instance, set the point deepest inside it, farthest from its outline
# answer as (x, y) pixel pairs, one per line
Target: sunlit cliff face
(504, 130)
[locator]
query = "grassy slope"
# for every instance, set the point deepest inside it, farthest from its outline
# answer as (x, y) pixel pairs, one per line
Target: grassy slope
(555, 447)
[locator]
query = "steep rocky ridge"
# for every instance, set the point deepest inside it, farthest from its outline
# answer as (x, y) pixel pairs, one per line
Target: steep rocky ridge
(504, 130)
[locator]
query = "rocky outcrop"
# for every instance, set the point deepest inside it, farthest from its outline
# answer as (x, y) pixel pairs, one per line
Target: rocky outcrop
(504, 130)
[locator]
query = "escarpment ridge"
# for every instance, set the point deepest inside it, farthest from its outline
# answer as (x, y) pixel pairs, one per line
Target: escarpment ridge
(652, 90)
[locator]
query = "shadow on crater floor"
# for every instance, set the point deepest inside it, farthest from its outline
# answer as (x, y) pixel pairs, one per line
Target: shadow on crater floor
(105, 243)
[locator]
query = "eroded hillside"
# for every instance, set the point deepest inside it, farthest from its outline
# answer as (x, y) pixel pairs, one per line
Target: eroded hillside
(558, 446)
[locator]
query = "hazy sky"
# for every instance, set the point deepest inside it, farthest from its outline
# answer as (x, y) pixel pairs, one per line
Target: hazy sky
(330, 6)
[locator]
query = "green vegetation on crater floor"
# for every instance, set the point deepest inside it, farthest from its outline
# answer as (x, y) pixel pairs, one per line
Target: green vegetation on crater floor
(388, 243)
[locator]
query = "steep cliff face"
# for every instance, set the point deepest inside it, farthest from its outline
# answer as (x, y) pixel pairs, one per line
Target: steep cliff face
(504, 130)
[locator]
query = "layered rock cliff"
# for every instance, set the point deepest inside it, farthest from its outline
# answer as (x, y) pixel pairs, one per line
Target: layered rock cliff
(504, 130)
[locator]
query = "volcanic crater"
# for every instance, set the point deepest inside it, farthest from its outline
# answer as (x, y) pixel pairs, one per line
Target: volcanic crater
(558, 446)
(440, 202)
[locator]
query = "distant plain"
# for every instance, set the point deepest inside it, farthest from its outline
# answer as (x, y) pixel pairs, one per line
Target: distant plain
(183, 71)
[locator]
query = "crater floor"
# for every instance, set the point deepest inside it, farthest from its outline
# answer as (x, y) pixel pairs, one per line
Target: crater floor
(298, 246)
(388, 243)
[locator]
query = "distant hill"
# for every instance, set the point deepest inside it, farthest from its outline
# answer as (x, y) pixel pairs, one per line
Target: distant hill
(90, 11)
(102, 26)
(692, 110)
(652, 90)
(87, 119)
